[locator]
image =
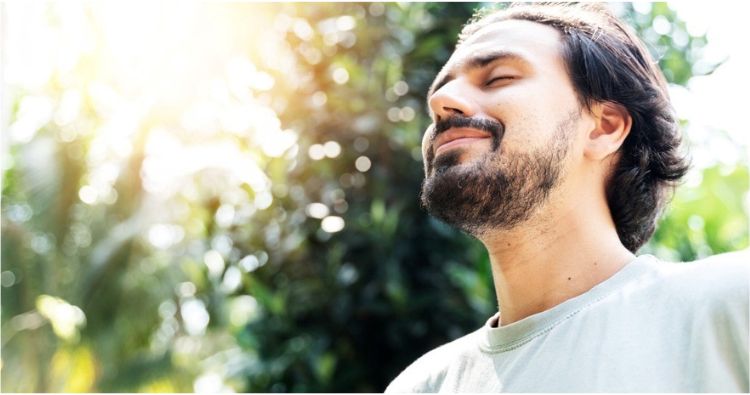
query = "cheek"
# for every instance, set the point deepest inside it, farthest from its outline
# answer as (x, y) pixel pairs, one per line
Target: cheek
(529, 121)
(523, 128)
(516, 109)
(531, 109)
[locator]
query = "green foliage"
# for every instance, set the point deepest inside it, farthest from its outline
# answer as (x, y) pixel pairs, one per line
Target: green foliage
(678, 53)
(231, 265)
(706, 219)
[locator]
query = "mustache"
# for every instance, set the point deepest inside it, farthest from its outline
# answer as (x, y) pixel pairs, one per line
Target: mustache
(494, 128)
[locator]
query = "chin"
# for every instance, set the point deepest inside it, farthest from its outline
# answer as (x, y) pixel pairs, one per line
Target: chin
(455, 158)
(477, 193)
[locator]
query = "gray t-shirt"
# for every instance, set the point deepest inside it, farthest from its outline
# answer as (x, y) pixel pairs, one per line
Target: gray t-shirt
(652, 327)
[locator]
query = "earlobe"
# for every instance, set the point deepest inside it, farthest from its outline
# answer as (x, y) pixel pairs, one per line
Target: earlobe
(612, 126)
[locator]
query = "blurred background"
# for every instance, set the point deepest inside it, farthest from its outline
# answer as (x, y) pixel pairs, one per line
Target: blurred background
(222, 197)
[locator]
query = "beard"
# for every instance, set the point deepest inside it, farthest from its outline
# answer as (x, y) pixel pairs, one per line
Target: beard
(491, 193)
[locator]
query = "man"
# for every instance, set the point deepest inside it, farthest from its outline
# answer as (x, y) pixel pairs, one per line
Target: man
(555, 144)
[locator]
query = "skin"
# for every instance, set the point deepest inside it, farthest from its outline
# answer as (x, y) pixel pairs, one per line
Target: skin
(570, 243)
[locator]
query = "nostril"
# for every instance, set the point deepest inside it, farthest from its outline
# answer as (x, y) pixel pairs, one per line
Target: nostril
(453, 110)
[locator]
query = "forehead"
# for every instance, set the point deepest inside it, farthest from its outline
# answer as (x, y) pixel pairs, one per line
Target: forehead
(534, 43)
(515, 33)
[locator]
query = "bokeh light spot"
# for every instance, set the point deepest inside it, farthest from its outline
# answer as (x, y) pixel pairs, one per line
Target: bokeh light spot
(407, 114)
(363, 163)
(242, 309)
(186, 289)
(361, 144)
(332, 149)
(316, 152)
(394, 114)
(401, 88)
(319, 98)
(661, 25)
(340, 75)
(232, 280)
(215, 262)
(263, 200)
(376, 9)
(7, 278)
(195, 316)
(66, 319)
(345, 22)
(317, 210)
(88, 194)
(249, 263)
(275, 143)
(302, 29)
(163, 236)
(225, 215)
(332, 224)
(19, 212)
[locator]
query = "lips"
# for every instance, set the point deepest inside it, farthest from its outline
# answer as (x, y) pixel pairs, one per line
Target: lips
(458, 136)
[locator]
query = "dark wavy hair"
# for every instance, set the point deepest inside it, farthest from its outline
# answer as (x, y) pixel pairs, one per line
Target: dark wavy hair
(607, 62)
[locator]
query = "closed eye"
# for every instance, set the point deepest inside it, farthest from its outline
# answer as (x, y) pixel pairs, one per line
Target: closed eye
(501, 78)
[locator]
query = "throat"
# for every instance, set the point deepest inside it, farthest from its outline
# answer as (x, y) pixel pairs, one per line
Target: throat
(534, 277)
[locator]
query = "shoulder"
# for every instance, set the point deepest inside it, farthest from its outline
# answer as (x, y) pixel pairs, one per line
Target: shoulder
(727, 264)
(427, 373)
(716, 293)
(724, 274)
(726, 277)
(720, 283)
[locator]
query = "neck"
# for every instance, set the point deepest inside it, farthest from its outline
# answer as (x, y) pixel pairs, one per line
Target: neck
(546, 262)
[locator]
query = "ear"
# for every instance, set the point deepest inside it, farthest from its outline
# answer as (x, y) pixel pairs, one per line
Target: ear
(612, 126)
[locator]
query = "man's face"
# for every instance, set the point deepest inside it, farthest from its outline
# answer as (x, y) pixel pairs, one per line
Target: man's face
(505, 118)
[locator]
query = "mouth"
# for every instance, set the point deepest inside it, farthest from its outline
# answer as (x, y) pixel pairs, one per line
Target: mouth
(458, 137)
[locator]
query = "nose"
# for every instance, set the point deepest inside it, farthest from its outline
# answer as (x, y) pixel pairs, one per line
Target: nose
(452, 99)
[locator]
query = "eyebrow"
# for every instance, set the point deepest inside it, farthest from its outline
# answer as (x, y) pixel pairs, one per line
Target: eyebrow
(477, 62)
